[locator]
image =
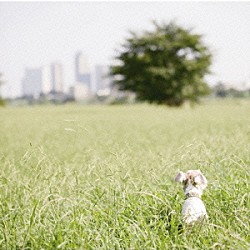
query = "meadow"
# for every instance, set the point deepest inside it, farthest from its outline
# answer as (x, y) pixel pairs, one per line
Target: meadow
(101, 177)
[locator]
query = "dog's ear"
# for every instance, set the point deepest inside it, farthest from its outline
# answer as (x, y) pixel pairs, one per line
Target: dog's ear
(180, 177)
(201, 180)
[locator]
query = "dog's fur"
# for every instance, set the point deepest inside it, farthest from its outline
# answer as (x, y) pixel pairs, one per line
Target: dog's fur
(194, 182)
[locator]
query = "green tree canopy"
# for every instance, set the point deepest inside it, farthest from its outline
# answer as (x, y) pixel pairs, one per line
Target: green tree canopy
(165, 66)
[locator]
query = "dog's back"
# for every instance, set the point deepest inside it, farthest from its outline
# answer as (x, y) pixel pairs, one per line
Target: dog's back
(194, 210)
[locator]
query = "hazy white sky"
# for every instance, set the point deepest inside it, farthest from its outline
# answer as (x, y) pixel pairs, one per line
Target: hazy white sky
(34, 34)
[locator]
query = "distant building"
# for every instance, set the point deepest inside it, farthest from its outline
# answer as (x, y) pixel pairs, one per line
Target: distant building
(36, 81)
(79, 92)
(46, 80)
(57, 77)
(32, 82)
(102, 80)
(82, 71)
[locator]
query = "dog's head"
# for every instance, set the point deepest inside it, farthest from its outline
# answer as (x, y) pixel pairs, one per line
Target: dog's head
(194, 182)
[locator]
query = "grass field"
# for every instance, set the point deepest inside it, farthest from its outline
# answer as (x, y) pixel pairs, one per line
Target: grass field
(101, 177)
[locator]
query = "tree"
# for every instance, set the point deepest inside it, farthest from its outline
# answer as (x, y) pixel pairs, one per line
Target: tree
(166, 66)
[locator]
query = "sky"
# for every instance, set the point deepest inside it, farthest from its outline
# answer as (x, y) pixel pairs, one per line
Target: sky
(35, 34)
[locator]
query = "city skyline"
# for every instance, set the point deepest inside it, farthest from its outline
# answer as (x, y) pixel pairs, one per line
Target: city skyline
(49, 80)
(35, 34)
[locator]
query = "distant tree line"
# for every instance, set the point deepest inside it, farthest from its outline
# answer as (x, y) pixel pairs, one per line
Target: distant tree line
(222, 91)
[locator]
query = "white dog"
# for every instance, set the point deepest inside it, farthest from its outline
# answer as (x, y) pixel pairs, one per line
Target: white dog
(194, 182)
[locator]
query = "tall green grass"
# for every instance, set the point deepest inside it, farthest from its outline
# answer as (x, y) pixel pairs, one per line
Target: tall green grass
(101, 177)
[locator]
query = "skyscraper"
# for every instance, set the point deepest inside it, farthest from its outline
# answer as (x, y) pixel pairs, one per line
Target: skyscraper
(32, 82)
(102, 79)
(36, 81)
(46, 87)
(57, 77)
(82, 71)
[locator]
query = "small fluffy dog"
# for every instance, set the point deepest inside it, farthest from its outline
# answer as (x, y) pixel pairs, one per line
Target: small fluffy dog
(194, 182)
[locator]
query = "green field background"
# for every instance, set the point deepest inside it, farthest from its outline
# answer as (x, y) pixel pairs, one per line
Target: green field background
(101, 177)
